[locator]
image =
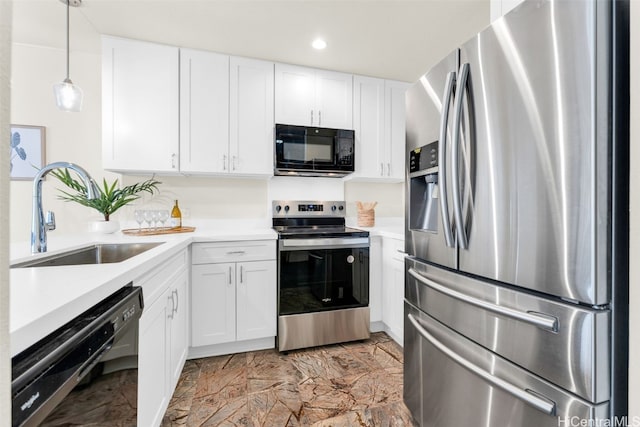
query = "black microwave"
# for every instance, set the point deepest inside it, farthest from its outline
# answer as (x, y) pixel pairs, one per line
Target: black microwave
(312, 151)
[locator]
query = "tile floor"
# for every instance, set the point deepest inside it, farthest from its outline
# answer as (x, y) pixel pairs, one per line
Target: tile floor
(351, 384)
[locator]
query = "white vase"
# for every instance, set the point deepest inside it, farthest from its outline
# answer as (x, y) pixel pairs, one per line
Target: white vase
(104, 227)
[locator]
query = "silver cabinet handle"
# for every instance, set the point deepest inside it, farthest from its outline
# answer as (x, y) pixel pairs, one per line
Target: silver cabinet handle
(236, 253)
(173, 161)
(388, 169)
(381, 169)
(319, 118)
(230, 273)
(540, 320)
(311, 116)
(224, 162)
(241, 281)
(173, 306)
(544, 405)
(455, 143)
(233, 162)
(177, 299)
(442, 149)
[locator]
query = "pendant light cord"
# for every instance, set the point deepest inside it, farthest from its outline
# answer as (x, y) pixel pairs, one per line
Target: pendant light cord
(68, 2)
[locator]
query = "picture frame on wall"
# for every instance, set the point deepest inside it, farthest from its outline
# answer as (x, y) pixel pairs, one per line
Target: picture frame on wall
(27, 146)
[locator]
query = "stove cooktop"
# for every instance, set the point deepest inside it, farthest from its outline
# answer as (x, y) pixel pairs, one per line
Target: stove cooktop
(289, 232)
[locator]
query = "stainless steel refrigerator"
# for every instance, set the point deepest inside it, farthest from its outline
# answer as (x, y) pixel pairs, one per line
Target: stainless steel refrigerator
(516, 289)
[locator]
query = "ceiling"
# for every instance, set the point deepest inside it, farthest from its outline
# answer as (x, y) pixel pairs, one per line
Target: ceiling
(395, 39)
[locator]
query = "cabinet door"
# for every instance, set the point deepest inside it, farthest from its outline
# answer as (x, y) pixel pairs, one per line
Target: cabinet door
(179, 327)
(393, 287)
(251, 117)
(153, 361)
(256, 292)
(368, 123)
(375, 279)
(294, 95)
(394, 118)
(139, 106)
(204, 111)
(334, 100)
(213, 304)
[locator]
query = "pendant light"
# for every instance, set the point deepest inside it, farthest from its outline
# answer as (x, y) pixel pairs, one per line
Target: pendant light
(68, 96)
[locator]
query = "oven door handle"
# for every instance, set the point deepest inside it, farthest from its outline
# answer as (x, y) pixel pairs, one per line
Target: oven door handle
(336, 242)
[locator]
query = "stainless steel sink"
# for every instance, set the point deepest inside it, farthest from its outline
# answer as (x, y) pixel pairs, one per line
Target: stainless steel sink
(103, 253)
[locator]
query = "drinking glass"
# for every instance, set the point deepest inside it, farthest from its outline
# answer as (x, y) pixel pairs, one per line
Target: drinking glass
(148, 217)
(139, 216)
(154, 218)
(163, 215)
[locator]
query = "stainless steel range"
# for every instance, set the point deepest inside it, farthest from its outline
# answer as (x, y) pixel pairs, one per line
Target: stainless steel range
(323, 275)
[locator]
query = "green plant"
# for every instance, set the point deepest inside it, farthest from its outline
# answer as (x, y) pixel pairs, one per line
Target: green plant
(111, 198)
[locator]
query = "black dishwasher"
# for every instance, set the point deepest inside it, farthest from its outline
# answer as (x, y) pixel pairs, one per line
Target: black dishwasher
(43, 374)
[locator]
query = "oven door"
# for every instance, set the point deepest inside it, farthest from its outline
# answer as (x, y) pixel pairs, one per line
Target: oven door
(322, 274)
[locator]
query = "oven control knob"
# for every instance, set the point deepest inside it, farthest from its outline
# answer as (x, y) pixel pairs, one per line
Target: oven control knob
(286, 208)
(333, 208)
(350, 259)
(341, 208)
(278, 208)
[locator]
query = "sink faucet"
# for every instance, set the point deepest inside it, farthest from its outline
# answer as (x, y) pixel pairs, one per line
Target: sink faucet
(40, 226)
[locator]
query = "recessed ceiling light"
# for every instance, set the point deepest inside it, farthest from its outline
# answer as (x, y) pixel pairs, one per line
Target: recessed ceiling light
(319, 44)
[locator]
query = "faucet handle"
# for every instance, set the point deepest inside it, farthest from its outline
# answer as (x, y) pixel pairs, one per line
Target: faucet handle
(50, 221)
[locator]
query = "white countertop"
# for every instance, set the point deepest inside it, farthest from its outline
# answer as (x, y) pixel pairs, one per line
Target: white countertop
(385, 227)
(45, 298)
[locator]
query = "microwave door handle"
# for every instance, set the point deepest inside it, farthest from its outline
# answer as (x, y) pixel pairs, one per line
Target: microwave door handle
(455, 150)
(442, 170)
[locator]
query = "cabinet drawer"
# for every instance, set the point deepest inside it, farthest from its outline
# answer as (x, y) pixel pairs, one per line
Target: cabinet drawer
(206, 253)
(155, 282)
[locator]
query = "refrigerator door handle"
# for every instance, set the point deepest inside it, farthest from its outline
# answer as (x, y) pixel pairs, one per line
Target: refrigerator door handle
(455, 143)
(530, 397)
(442, 171)
(543, 321)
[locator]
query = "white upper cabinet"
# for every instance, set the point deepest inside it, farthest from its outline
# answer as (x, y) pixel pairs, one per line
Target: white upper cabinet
(139, 106)
(170, 110)
(251, 118)
(395, 129)
(204, 112)
(379, 124)
(310, 97)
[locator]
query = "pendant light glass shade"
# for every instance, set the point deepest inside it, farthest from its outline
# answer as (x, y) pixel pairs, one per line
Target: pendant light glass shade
(68, 96)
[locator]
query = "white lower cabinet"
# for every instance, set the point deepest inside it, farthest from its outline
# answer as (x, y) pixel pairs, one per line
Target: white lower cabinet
(393, 287)
(162, 338)
(232, 301)
(213, 304)
(375, 283)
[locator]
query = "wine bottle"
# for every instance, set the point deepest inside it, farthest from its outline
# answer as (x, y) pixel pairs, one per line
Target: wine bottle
(176, 216)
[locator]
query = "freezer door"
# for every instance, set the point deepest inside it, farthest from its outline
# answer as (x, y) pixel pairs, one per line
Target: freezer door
(534, 182)
(428, 121)
(462, 384)
(566, 344)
